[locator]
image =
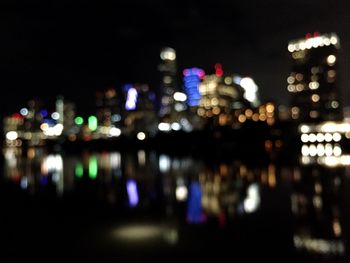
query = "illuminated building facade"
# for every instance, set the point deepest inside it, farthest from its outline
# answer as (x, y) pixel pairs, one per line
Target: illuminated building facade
(326, 143)
(139, 112)
(192, 78)
(220, 99)
(313, 80)
(168, 70)
(108, 107)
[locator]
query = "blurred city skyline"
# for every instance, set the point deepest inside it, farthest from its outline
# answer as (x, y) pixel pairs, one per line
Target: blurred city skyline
(51, 49)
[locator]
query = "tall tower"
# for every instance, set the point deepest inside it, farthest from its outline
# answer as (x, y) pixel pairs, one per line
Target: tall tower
(313, 80)
(167, 67)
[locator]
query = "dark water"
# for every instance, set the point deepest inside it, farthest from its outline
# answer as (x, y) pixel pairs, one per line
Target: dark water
(120, 207)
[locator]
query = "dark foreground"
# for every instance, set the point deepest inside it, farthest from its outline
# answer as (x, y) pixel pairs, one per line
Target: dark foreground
(122, 207)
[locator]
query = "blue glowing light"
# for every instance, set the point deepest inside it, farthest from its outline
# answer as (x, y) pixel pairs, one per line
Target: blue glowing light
(237, 80)
(126, 87)
(192, 79)
(131, 99)
(44, 113)
(116, 117)
(131, 188)
(50, 122)
(152, 96)
(44, 180)
(195, 214)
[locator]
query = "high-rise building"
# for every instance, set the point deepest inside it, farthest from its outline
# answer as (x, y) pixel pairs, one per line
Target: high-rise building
(139, 112)
(313, 80)
(222, 99)
(108, 107)
(192, 79)
(168, 70)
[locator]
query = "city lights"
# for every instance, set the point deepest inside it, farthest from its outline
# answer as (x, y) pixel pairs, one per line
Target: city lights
(131, 188)
(181, 193)
(313, 42)
(179, 96)
(175, 126)
(114, 132)
(250, 88)
(92, 123)
(131, 99)
(168, 54)
(192, 79)
(55, 115)
(93, 167)
(12, 135)
(163, 126)
(79, 120)
(141, 136)
(79, 170)
(331, 60)
(252, 202)
(154, 151)
(24, 111)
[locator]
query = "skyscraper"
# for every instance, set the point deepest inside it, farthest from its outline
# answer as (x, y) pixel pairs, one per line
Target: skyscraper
(167, 67)
(313, 80)
(221, 98)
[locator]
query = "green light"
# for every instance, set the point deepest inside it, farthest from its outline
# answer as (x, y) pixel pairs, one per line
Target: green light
(93, 167)
(79, 170)
(79, 120)
(92, 123)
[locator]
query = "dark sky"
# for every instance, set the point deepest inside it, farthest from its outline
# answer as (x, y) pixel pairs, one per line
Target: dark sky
(74, 50)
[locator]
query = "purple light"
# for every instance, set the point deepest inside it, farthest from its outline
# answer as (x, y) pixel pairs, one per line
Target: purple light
(201, 74)
(131, 188)
(186, 72)
(131, 99)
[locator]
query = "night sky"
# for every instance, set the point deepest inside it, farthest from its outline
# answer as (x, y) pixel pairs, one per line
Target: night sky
(74, 50)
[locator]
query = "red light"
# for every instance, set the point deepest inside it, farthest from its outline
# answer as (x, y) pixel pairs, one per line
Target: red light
(201, 74)
(218, 70)
(317, 34)
(17, 116)
(219, 73)
(308, 35)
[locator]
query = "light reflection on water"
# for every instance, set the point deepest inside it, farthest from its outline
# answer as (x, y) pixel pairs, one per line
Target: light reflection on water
(211, 191)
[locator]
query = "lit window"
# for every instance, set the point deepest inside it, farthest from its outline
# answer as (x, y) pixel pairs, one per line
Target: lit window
(314, 85)
(331, 73)
(314, 114)
(315, 97)
(334, 40)
(299, 77)
(290, 80)
(331, 60)
(291, 47)
(300, 87)
(248, 113)
(242, 118)
(291, 88)
(334, 104)
(228, 80)
(295, 110)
